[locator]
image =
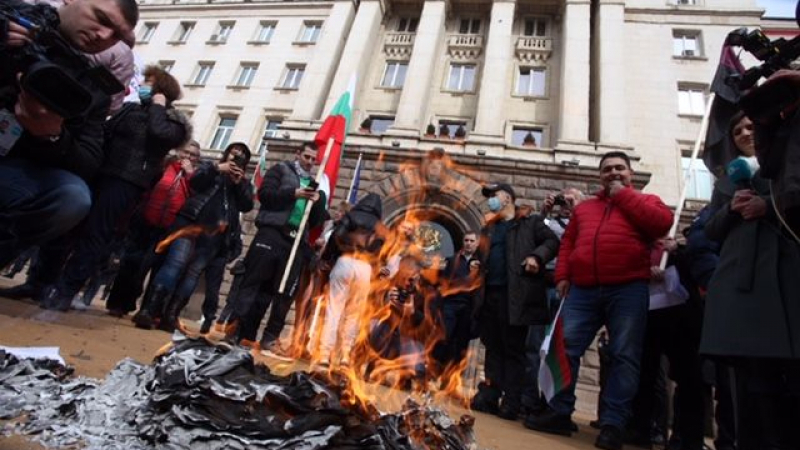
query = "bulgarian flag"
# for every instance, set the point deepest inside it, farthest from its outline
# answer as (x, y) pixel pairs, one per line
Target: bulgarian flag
(554, 371)
(261, 170)
(335, 127)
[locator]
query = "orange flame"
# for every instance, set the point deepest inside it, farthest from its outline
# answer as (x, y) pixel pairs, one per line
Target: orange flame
(189, 231)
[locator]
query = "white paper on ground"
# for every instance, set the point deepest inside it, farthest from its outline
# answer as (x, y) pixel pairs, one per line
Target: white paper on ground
(35, 353)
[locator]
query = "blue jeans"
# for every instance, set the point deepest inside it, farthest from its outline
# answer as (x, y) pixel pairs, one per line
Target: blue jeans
(623, 310)
(182, 268)
(37, 204)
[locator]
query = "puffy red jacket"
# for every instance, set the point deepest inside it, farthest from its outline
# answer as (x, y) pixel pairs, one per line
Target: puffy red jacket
(167, 197)
(608, 239)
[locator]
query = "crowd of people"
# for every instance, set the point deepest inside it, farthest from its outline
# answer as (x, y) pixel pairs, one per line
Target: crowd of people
(119, 195)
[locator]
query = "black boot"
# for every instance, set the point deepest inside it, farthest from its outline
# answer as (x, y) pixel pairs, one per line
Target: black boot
(22, 291)
(172, 314)
(155, 301)
(206, 327)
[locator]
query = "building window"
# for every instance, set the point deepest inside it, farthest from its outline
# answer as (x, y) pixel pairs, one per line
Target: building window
(223, 133)
(526, 137)
(184, 31)
(462, 77)
(691, 101)
(270, 131)
(535, 27)
(292, 77)
(166, 66)
(702, 184)
(395, 74)
(531, 81)
(244, 78)
(310, 32)
(265, 32)
(379, 124)
(407, 24)
(684, 2)
(223, 32)
(686, 44)
(452, 128)
(202, 73)
(147, 31)
(469, 26)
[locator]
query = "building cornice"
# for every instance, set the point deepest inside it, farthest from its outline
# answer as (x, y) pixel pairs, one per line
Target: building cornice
(244, 6)
(665, 15)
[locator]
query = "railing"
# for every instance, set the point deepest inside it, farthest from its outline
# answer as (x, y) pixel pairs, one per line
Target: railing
(531, 48)
(398, 45)
(465, 45)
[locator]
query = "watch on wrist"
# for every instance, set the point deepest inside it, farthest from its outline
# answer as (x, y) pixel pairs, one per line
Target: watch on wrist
(54, 138)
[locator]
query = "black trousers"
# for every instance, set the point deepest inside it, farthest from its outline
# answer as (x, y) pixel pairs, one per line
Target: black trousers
(505, 345)
(214, 274)
(258, 288)
(675, 333)
(138, 258)
(113, 199)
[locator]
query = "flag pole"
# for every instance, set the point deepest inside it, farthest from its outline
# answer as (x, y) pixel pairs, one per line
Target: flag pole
(304, 221)
(689, 177)
(353, 181)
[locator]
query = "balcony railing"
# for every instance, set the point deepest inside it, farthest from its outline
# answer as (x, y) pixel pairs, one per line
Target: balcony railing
(531, 48)
(465, 46)
(398, 45)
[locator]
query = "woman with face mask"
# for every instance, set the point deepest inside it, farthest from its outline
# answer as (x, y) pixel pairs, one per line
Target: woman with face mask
(136, 140)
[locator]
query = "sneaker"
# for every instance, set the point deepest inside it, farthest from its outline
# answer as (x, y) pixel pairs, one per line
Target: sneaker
(487, 400)
(508, 411)
(550, 422)
(78, 304)
(274, 351)
(610, 438)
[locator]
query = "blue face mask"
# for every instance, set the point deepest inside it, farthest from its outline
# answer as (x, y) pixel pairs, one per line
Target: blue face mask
(145, 93)
(495, 204)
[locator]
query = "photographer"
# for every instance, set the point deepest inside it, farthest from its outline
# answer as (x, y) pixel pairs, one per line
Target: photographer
(221, 192)
(49, 158)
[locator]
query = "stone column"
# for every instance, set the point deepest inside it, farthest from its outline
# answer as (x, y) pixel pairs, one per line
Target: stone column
(495, 82)
(319, 72)
(358, 50)
(611, 85)
(574, 109)
(416, 91)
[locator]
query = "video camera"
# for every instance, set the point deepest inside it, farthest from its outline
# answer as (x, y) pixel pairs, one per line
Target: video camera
(53, 72)
(776, 55)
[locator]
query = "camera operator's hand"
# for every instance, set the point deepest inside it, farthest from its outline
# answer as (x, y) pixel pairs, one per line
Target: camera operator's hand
(160, 99)
(234, 172)
(785, 75)
(308, 194)
(35, 118)
(17, 35)
(656, 274)
(547, 206)
(562, 288)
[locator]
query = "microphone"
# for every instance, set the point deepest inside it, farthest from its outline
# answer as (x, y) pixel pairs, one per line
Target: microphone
(741, 171)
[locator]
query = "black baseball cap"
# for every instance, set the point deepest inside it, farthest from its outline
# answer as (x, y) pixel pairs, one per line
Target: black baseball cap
(490, 189)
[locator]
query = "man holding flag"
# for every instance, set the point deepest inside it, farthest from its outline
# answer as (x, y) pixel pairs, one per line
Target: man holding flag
(603, 272)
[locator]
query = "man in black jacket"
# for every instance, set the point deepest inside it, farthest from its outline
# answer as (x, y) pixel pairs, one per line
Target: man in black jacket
(283, 195)
(516, 246)
(43, 176)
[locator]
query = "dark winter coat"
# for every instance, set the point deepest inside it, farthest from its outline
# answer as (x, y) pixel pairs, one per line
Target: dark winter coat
(608, 239)
(79, 147)
(527, 293)
(138, 137)
(702, 254)
(277, 199)
(753, 302)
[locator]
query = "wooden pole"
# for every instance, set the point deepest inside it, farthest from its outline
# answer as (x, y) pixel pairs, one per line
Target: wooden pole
(304, 221)
(689, 177)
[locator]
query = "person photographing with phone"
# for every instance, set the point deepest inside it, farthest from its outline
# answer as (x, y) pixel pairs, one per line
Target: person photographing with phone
(602, 274)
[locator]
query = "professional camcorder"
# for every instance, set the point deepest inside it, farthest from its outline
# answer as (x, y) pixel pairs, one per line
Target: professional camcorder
(53, 72)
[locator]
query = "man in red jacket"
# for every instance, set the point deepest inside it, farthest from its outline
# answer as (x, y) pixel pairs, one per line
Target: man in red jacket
(602, 273)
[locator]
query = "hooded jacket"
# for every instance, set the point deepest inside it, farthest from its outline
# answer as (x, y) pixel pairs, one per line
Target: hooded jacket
(608, 239)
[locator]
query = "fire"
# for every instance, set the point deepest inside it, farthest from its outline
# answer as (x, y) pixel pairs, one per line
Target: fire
(189, 231)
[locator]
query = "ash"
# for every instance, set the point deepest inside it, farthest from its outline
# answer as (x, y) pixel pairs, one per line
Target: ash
(204, 396)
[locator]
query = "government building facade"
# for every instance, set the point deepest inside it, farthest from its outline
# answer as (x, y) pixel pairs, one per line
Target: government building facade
(528, 92)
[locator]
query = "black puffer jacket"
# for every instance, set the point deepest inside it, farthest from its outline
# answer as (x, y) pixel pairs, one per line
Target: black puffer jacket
(138, 137)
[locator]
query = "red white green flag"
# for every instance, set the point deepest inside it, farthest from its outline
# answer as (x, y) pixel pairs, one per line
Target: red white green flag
(554, 371)
(335, 127)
